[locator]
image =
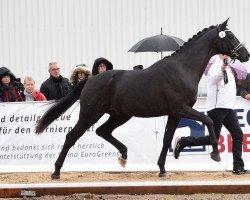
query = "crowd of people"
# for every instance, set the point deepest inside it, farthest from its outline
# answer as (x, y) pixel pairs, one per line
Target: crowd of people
(54, 88)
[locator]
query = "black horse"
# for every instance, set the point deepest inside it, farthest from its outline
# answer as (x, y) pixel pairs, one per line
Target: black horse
(168, 87)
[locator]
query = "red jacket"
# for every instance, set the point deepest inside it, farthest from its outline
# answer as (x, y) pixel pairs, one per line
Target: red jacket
(38, 96)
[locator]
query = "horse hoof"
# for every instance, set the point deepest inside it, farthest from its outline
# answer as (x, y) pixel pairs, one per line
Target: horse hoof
(164, 174)
(215, 156)
(122, 161)
(55, 176)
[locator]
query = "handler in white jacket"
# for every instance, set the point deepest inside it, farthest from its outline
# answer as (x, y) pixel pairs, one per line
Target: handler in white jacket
(219, 93)
(221, 97)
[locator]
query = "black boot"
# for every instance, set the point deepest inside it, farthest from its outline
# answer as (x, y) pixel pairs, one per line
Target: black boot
(178, 147)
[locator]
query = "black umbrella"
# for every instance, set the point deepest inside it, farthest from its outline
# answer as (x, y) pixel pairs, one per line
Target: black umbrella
(158, 43)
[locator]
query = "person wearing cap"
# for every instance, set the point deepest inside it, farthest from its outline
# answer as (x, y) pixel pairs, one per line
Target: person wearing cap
(79, 73)
(56, 86)
(101, 65)
(11, 88)
(30, 93)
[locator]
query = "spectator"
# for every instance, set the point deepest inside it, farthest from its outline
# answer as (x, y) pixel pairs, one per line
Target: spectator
(30, 93)
(56, 86)
(101, 65)
(137, 67)
(244, 88)
(11, 88)
(220, 102)
(237, 82)
(79, 73)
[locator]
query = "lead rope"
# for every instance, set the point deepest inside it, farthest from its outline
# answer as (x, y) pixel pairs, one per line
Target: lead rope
(225, 72)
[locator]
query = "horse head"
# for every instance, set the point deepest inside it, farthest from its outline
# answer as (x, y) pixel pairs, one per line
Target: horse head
(226, 43)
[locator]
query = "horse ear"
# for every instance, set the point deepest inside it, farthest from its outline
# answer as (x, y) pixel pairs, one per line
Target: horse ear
(224, 24)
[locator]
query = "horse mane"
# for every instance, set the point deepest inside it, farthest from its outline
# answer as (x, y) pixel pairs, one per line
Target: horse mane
(195, 37)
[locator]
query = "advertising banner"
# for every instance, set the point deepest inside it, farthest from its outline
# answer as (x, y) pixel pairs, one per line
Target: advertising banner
(21, 150)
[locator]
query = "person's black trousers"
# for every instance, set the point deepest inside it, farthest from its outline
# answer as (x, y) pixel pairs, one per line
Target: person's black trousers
(228, 118)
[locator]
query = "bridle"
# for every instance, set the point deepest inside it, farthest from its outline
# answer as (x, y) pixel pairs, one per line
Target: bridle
(233, 52)
(234, 55)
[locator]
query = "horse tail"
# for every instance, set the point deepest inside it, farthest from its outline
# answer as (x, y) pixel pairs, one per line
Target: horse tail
(60, 107)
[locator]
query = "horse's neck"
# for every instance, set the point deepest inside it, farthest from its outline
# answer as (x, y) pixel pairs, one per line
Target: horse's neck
(197, 57)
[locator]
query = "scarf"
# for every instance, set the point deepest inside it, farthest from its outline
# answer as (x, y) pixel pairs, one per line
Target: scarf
(29, 96)
(10, 93)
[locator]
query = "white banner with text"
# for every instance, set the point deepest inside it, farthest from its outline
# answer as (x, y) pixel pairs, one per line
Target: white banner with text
(21, 150)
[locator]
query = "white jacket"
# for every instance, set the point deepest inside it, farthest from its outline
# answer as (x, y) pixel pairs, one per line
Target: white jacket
(220, 95)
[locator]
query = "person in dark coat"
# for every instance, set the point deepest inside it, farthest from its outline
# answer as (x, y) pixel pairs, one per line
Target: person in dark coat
(101, 65)
(244, 88)
(56, 86)
(11, 88)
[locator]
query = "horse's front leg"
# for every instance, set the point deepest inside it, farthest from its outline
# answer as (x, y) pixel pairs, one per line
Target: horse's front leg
(168, 137)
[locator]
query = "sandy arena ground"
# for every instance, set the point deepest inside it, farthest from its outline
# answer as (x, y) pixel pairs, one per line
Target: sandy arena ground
(82, 177)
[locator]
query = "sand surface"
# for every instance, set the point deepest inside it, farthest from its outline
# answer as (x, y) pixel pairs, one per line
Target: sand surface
(85, 177)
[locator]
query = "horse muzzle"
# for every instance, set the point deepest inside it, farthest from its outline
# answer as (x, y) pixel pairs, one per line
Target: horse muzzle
(243, 58)
(240, 53)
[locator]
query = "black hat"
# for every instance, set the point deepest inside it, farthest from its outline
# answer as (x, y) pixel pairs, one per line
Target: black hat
(5, 71)
(137, 67)
(97, 62)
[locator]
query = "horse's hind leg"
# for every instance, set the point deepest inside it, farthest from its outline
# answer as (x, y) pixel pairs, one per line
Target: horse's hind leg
(82, 125)
(106, 129)
(168, 137)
